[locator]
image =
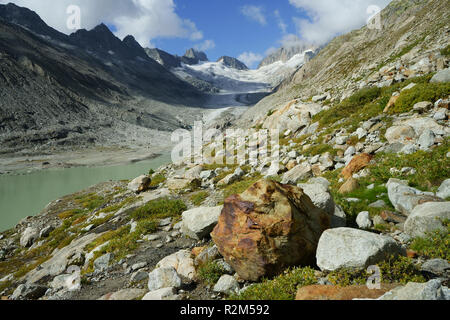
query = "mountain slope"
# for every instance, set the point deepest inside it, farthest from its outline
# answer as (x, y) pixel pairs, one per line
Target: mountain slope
(412, 31)
(75, 89)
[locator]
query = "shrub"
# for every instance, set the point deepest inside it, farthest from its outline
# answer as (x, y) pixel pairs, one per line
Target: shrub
(283, 287)
(421, 92)
(157, 180)
(210, 272)
(434, 245)
(159, 209)
(396, 269)
(432, 167)
(198, 198)
(446, 51)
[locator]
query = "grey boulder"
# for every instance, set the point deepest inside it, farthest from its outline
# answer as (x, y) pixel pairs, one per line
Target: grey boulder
(198, 223)
(355, 249)
(427, 217)
(432, 290)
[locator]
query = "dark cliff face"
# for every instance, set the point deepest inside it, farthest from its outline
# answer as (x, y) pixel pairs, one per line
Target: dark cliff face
(233, 63)
(52, 84)
(165, 59)
(192, 56)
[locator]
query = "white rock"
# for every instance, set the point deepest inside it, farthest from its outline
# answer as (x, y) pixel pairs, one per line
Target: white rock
(163, 278)
(300, 172)
(227, 284)
(350, 151)
(162, 294)
(427, 217)
(361, 133)
(444, 190)
(353, 248)
(426, 139)
(363, 220)
(139, 184)
(182, 262)
(432, 290)
(405, 198)
(29, 236)
(199, 222)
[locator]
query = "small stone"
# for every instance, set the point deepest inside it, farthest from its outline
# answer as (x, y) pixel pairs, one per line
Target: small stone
(162, 294)
(363, 220)
(378, 204)
(102, 263)
(163, 278)
(227, 284)
(139, 276)
(138, 266)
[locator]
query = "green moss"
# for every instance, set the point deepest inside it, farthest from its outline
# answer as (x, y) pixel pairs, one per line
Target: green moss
(159, 209)
(348, 106)
(446, 51)
(400, 269)
(198, 198)
(432, 167)
(91, 201)
(283, 287)
(434, 245)
(210, 272)
(396, 269)
(320, 149)
(157, 180)
(421, 92)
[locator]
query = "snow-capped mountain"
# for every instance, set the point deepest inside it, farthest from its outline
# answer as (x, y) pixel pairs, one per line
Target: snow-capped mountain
(232, 80)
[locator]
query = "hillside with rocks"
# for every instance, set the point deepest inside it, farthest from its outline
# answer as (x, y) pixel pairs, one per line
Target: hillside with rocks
(358, 208)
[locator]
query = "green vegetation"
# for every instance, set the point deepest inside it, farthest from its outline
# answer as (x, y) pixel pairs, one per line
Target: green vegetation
(319, 149)
(210, 272)
(435, 244)
(446, 51)
(348, 107)
(157, 180)
(421, 92)
(198, 198)
(432, 167)
(283, 287)
(91, 201)
(159, 209)
(240, 186)
(396, 269)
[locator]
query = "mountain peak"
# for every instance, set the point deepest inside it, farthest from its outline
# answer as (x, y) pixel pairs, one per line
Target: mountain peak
(232, 63)
(28, 19)
(195, 56)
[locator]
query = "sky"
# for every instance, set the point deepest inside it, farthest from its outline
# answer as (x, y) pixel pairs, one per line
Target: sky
(246, 29)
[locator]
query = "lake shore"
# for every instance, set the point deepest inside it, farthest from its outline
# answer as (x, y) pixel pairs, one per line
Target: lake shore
(13, 164)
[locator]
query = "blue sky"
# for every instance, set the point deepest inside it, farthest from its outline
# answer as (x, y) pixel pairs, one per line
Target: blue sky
(232, 32)
(246, 29)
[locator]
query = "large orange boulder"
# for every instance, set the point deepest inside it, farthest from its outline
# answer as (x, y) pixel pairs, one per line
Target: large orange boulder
(358, 162)
(325, 292)
(268, 228)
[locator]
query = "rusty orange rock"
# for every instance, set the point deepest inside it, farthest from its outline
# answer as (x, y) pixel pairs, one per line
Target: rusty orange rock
(196, 251)
(268, 228)
(349, 186)
(326, 292)
(391, 103)
(358, 162)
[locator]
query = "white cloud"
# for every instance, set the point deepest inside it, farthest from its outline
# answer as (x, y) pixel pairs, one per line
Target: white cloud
(283, 26)
(250, 58)
(328, 18)
(205, 45)
(254, 13)
(144, 19)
